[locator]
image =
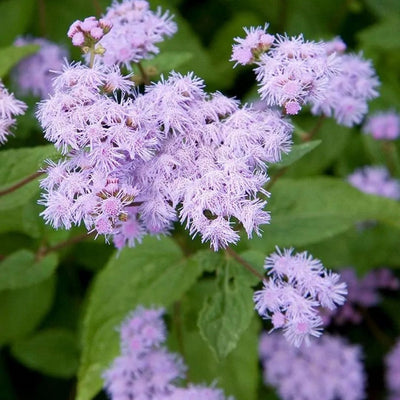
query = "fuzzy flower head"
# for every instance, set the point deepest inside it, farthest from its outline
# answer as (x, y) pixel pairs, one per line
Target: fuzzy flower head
(247, 50)
(136, 31)
(383, 125)
(9, 108)
(297, 285)
(392, 361)
(34, 74)
(375, 180)
(328, 369)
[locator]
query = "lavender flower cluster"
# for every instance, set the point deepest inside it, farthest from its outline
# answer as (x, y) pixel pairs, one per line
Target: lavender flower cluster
(9, 108)
(328, 369)
(297, 286)
(33, 74)
(146, 370)
(392, 361)
(383, 125)
(292, 72)
(132, 159)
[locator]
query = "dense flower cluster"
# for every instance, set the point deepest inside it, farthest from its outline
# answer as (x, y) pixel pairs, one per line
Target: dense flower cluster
(132, 161)
(392, 362)
(329, 369)
(146, 370)
(34, 73)
(136, 31)
(292, 72)
(9, 108)
(383, 125)
(297, 286)
(363, 293)
(375, 180)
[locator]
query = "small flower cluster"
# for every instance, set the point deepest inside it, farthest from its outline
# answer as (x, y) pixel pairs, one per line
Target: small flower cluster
(329, 369)
(136, 31)
(132, 161)
(363, 293)
(383, 125)
(292, 72)
(392, 376)
(375, 180)
(297, 286)
(146, 370)
(9, 108)
(34, 73)
(89, 31)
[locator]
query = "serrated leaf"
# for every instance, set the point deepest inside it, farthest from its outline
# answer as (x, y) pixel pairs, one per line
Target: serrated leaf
(9, 56)
(22, 310)
(21, 269)
(226, 314)
(154, 273)
(238, 373)
(310, 210)
(297, 152)
(18, 164)
(52, 352)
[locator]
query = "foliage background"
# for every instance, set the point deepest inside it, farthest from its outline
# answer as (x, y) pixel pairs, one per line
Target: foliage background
(61, 296)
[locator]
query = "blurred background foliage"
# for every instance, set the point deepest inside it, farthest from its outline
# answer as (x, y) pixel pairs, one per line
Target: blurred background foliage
(41, 316)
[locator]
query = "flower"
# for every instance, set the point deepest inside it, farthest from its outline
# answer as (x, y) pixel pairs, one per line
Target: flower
(383, 125)
(375, 180)
(328, 369)
(298, 284)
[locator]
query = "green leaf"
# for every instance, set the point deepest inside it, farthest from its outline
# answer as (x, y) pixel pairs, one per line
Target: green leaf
(9, 56)
(22, 310)
(384, 8)
(168, 61)
(18, 164)
(21, 269)
(52, 352)
(16, 15)
(382, 36)
(297, 152)
(313, 209)
(238, 373)
(154, 273)
(227, 313)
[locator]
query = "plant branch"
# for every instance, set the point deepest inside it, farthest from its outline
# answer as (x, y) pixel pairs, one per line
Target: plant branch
(145, 77)
(308, 136)
(21, 183)
(243, 262)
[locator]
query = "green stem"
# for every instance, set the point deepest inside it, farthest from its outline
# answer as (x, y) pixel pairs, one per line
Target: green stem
(308, 136)
(21, 183)
(145, 77)
(92, 56)
(243, 262)
(389, 151)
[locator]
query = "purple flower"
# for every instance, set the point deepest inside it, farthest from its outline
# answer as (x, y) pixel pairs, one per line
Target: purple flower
(375, 180)
(9, 108)
(383, 125)
(328, 369)
(297, 286)
(89, 31)
(34, 74)
(392, 361)
(136, 31)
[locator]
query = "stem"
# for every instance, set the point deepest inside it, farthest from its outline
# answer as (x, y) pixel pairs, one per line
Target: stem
(307, 137)
(42, 17)
(275, 177)
(43, 251)
(92, 56)
(21, 183)
(389, 152)
(145, 77)
(243, 262)
(97, 7)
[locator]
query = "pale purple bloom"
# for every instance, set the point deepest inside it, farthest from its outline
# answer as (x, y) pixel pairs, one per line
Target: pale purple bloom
(296, 286)
(172, 153)
(375, 180)
(196, 392)
(383, 125)
(89, 31)
(34, 74)
(348, 91)
(247, 50)
(9, 108)
(294, 72)
(392, 362)
(328, 369)
(136, 31)
(362, 293)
